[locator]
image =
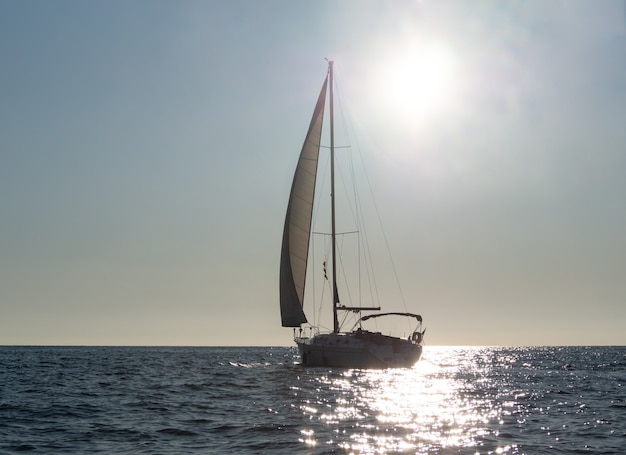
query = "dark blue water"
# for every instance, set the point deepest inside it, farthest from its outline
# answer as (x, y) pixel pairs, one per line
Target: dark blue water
(258, 400)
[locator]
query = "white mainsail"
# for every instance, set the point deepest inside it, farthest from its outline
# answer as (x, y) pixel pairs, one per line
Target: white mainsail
(297, 230)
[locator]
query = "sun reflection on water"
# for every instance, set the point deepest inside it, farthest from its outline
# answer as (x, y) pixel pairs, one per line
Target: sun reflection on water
(438, 405)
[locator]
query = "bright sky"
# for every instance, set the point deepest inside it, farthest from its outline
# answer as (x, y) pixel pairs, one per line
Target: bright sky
(147, 149)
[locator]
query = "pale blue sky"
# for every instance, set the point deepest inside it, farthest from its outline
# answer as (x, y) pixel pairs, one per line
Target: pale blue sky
(147, 149)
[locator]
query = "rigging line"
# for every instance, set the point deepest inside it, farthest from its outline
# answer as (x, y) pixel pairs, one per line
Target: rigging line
(317, 308)
(315, 314)
(369, 185)
(340, 269)
(344, 275)
(357, 212)
(353, 203)
(325, 285)
(365, 246)
(393, 264)
(353, 210)
(346, 138)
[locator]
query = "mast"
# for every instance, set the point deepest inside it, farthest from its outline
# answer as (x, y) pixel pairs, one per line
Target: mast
(332, 199)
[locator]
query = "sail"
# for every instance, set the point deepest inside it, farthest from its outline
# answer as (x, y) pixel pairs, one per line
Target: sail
(295, 247)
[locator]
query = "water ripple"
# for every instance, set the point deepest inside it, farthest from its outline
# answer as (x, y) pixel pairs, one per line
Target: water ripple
(259, 400)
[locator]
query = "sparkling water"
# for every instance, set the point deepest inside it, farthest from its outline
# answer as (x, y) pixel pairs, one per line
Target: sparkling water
(465, 400)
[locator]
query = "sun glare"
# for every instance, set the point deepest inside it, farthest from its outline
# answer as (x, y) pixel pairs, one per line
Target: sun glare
(419, 81)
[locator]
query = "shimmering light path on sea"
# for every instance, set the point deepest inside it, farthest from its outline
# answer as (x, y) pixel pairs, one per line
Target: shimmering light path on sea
(471, 400)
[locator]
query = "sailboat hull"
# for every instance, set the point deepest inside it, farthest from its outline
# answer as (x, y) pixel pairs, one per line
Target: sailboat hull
(360, 349)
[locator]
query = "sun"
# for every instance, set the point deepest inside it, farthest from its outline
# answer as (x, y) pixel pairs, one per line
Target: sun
(419, 80)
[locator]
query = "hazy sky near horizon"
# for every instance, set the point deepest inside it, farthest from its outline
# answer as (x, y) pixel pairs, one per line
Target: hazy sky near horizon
(147, 150)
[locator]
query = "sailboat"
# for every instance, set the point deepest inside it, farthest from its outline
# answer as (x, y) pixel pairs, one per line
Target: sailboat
(356, 347)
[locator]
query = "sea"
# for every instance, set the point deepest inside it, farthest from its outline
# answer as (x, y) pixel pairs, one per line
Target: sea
(260, 400)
